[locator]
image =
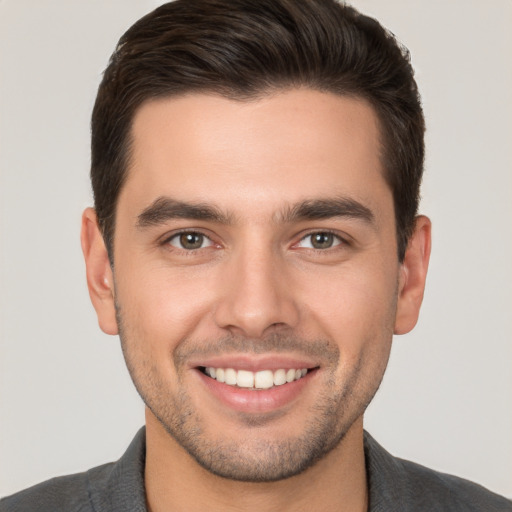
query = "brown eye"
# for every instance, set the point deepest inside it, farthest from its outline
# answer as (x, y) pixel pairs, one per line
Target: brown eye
(320, 240)
(190, 241)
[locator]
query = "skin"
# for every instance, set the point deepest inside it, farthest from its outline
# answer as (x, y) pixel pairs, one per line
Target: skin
(256, 289)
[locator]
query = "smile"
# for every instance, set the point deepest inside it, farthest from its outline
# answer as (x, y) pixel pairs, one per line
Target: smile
(263, 379)
(257, 385)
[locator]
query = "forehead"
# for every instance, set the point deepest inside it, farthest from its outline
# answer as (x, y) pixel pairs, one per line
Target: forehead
(278, 149)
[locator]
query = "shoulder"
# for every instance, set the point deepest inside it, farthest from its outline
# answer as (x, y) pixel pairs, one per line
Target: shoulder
(404, 485)
(71, 493)
(448, 492)
(111, 487)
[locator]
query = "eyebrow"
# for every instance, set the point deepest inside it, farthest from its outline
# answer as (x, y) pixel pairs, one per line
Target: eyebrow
(164, 209)
(318, 209)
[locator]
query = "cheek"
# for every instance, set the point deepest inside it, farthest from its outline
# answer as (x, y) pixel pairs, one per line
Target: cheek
(357, 313)
(162, 304)
(353, 305)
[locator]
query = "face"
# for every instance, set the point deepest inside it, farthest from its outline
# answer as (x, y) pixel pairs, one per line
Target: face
(256, 281)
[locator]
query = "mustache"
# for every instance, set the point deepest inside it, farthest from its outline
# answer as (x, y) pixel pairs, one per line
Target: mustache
(274, 343)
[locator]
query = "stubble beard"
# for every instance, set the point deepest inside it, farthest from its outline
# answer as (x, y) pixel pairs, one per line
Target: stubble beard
(254, 459)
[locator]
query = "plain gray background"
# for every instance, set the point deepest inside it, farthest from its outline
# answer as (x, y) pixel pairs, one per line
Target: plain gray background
(66, 401)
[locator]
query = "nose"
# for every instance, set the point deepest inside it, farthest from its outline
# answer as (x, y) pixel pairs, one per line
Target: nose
(257, 295)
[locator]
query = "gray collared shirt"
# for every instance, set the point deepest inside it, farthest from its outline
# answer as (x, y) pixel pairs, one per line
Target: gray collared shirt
(395, 485)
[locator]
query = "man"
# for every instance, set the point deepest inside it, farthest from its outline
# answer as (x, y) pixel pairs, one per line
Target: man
(255, 243)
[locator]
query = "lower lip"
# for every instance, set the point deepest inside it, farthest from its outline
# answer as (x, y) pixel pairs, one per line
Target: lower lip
(256, 400)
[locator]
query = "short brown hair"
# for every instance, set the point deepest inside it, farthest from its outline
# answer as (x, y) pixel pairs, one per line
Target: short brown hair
(243, 49)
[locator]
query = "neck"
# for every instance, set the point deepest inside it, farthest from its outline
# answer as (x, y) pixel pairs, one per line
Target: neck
(174, 480)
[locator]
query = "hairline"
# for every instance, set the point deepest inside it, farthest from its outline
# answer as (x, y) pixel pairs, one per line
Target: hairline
(230, 93)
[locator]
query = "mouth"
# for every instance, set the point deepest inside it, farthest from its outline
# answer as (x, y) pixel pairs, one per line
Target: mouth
(255, 383)
(259, 380)
(256, 387)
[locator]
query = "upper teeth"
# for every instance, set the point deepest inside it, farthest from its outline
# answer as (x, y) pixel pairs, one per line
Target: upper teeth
(263, 379)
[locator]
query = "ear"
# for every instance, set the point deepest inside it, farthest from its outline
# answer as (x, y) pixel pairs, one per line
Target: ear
(413, 273)
(99, 272)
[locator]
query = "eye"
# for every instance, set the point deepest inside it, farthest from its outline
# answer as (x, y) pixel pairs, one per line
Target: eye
(320, 240)
(190, 241)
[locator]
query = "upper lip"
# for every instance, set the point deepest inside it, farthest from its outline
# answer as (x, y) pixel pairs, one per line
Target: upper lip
(254, 362)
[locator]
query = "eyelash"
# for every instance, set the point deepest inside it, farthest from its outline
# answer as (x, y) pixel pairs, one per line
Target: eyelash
(167, 240)
(340, 241)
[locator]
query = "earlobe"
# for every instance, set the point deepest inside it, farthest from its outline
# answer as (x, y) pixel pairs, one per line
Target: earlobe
(413, 274)
(99, 272)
